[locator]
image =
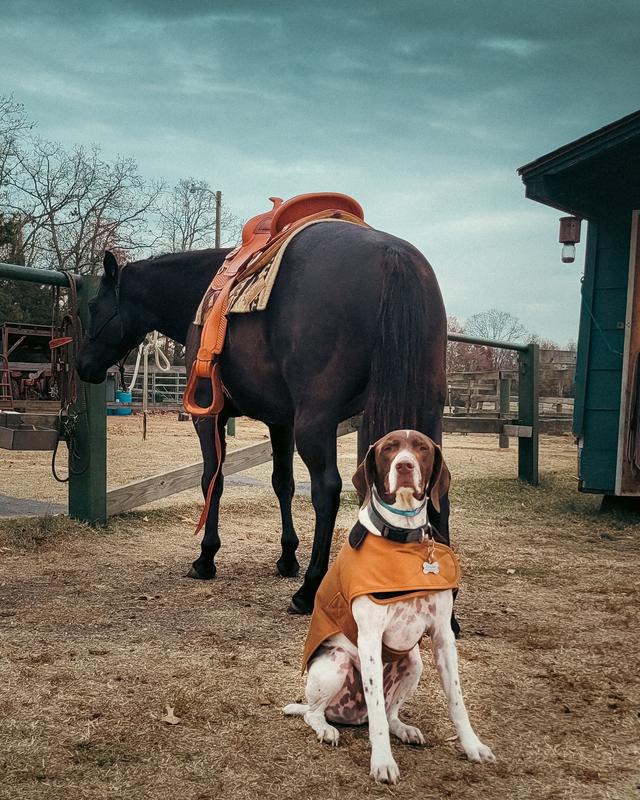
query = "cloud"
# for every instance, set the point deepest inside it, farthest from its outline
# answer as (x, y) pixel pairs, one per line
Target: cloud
(421, 109)
(517, 47)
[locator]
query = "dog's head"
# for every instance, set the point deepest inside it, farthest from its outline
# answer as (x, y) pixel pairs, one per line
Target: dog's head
(405, 462)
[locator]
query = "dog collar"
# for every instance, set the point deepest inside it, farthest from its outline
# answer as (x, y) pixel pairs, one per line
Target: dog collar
(382, 528)
(377, 500)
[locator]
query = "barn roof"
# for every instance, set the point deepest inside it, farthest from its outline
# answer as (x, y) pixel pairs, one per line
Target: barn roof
(593, 176)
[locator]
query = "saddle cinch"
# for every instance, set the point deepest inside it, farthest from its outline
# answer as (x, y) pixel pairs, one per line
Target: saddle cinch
(262, 237)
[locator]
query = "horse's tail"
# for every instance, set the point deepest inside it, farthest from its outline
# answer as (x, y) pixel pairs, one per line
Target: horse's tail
(407, 384)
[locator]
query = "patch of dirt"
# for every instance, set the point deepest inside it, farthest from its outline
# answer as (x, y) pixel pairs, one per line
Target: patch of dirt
(100, 633)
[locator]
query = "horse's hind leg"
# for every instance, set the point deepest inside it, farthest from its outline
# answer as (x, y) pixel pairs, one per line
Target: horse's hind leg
(284, 487)
(316, 441)
(204, 568)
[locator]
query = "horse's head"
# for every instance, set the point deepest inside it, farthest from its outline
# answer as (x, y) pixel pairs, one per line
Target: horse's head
(116, 326)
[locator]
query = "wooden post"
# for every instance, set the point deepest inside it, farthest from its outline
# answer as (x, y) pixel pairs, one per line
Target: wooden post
(528, 414)
(504, 394)
(231, 426)
(88, 459)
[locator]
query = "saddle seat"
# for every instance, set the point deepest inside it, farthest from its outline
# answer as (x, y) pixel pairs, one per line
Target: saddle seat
(262, 237)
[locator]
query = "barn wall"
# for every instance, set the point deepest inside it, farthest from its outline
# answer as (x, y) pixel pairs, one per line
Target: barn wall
(600, 349)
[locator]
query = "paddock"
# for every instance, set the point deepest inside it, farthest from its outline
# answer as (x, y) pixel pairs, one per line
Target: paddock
(100, 634)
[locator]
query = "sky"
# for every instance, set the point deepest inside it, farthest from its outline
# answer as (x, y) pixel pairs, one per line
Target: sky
(421, 110)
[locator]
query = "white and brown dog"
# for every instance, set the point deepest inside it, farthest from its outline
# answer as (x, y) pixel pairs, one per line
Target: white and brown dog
(389, 586)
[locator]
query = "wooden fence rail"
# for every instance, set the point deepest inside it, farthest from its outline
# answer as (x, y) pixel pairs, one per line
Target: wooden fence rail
(88, 484)
(137, 493)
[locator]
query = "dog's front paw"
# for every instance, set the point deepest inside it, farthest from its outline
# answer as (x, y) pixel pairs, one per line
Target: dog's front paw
(327, 733)
(406, 733)
(478, 752)
(384, 771)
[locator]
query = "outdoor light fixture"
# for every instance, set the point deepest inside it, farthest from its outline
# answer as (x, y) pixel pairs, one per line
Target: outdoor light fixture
(569, 237)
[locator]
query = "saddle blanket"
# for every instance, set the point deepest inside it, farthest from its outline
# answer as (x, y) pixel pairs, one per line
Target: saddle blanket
(253, 292)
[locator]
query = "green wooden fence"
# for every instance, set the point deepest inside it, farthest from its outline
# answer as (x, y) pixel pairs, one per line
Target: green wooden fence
(88, 468)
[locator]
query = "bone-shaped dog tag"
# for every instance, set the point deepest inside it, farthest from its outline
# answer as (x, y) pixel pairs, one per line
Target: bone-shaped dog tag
(428, 568)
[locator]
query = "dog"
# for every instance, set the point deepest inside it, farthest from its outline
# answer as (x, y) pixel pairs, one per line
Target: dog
(391, 584)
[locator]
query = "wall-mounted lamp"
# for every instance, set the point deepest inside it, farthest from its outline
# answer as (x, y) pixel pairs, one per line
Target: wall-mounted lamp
(569, 238)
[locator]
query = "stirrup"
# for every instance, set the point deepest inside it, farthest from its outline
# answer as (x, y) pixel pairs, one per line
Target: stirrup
(217, 399)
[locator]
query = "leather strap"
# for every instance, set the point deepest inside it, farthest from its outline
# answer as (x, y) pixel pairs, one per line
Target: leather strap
(207, 503)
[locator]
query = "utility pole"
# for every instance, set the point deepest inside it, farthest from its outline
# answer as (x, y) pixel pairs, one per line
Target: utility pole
(218, 216)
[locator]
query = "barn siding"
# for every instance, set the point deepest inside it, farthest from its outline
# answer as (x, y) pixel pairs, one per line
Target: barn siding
(600, 347)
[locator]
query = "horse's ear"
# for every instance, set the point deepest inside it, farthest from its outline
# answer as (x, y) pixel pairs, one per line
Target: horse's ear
(365, 476)
(439, 480)
(110, 267)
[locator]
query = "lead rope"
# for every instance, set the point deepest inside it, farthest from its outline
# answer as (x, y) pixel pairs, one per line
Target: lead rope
(162, 363)
(64, 351)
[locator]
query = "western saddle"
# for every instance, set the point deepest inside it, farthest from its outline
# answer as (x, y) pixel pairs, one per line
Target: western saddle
(262, 237)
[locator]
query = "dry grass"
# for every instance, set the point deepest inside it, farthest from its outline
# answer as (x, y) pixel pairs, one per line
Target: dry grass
(99, 633)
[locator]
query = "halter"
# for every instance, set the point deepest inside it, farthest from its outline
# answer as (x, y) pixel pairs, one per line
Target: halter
(94, 334)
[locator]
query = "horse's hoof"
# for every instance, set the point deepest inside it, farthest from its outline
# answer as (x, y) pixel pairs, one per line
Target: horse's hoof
(194, 573)
(299, 606)
(288, 569)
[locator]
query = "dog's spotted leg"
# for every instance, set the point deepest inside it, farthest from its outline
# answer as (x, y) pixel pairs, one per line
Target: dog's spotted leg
(325, 680)
(371, 620)
(446, 658)
(401, 679)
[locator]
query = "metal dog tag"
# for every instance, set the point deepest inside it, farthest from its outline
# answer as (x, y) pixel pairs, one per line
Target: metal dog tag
(428, 568)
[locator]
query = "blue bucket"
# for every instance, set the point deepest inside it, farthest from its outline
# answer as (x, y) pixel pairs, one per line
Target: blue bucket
(125, 399)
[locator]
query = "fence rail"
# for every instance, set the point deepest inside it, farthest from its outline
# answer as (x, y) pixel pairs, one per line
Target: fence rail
(88, 476)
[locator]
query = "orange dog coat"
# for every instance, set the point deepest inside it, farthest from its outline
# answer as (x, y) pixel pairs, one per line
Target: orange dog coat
(377, 566)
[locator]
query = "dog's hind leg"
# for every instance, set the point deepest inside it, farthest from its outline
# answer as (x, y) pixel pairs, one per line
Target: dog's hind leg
(325, 680)
(401, 679)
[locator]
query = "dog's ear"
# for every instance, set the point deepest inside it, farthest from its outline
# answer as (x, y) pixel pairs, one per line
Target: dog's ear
(439, 480)
(357, 535)
(365, 476)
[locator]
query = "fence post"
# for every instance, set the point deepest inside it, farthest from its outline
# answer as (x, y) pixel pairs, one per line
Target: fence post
(88, 464)
(528, 414)
(505, 405)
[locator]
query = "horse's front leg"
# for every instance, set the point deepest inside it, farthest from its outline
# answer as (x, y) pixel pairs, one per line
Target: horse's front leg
(204, 568)
(316, 442)
(284, 487)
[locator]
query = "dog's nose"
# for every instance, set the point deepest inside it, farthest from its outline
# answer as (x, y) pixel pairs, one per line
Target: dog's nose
(404, 467)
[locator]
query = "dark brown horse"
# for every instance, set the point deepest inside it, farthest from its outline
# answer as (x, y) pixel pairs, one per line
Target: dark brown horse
(355, 323)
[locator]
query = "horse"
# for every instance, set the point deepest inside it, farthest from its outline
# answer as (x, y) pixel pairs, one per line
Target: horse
(355, 323)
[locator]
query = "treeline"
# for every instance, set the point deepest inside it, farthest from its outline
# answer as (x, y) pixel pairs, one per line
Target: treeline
(60, 208)
(497, 325)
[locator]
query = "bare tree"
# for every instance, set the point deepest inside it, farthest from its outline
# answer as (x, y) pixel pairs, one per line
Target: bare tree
(188, 214)
(500, 325)
(74, 205)
(463, 357)
(13, 124)
(543, 344)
